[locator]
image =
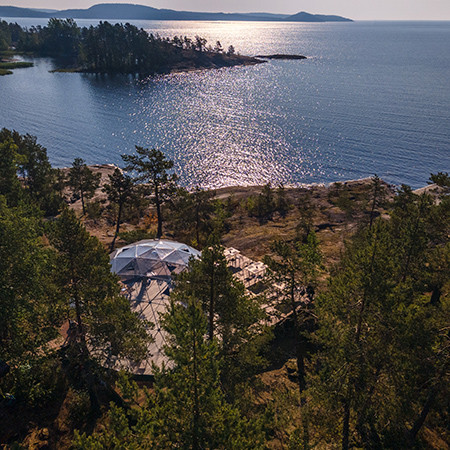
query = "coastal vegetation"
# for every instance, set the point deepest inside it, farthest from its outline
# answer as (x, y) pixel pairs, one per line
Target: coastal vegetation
(118, 48)
(361, 359)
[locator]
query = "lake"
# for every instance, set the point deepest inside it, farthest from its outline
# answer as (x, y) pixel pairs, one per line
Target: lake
(372, 97)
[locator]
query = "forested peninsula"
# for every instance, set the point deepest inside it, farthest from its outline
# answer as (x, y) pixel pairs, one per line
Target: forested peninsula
(118, 48)
(359, 271)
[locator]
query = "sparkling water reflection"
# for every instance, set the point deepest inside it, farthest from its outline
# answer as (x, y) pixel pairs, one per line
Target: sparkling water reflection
(362, 103)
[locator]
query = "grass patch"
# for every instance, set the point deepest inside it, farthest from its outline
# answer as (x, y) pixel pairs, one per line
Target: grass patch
(5, 72)
(15, 65)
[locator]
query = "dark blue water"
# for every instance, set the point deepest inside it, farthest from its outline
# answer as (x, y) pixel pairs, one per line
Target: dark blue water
(373, 97)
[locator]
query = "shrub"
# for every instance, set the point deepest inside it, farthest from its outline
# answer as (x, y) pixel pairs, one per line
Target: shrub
(79, 407)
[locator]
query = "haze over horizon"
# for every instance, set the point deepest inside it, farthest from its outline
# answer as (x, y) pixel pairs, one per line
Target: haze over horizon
(355, 9)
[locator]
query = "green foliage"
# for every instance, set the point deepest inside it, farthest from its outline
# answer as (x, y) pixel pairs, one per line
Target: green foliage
(282, 204)
(15, 64)
(79, 407)
(110, 48)
(153, 169)
(10, 33)
(83, 182)
(37, 381)
(233, 315)
(31, 309)
(264, 205)
(192, 215)
(103, 317)
(187, 406)
(383, 351)
(120, 190)
(295, 264)
(307, 213)
(442, 179)
(39, 179)
(60, 38)
(9, 164)
(377, 197)
(29, 306)
(294, 267)
(94, 209)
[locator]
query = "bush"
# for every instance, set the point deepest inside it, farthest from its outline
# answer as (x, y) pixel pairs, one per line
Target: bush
(263, 205)
(79, 407)
(37, 382)
(94, 210)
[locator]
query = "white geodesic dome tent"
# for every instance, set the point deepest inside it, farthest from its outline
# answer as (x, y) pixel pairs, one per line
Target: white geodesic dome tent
(156, 259)
(146, 268)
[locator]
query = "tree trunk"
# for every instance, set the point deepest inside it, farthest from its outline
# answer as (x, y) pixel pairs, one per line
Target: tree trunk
(196, 418)
(364, 299)
(412, 433)
(197, 225)
(300, 367)
(212, 302)
(298, 347)
(76, 299)
(436, 296)
(119, 216)
(346, 426)
(158, 212)
(82, 201)
(374, 202)
(364, 424)
(86, 373)
(412, 240)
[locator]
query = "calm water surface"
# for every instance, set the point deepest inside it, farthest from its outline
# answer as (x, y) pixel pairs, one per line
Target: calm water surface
(371, 98)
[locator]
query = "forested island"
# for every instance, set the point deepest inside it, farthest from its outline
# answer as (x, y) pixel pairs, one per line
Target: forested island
(119, 48)
(361, 276)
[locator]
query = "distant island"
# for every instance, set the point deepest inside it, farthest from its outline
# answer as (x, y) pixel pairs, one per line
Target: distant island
(282, 56)
(127, 11)
(118, 48)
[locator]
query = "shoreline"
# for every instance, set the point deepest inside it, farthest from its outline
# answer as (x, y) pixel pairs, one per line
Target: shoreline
(189, 65)
(107, 168)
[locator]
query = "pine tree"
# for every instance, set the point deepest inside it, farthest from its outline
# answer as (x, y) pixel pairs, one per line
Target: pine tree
(38, 178)
(30, 304)
(234, 317)
(381, 342)
(187, 408)
(377, 197)
(106, 328)
(10, 186)
(83, 181)
(120, 190)
(192, 215)
(282, 204)
(153, 169)
(294, 266)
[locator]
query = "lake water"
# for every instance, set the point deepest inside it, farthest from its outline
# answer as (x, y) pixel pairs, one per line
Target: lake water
(372, 97)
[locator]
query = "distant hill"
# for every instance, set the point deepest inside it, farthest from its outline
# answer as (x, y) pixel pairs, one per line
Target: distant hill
(306, 17)
(12, 11)
(127, 11)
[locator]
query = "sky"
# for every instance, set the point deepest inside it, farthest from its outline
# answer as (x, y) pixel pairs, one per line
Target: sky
(355, 9)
